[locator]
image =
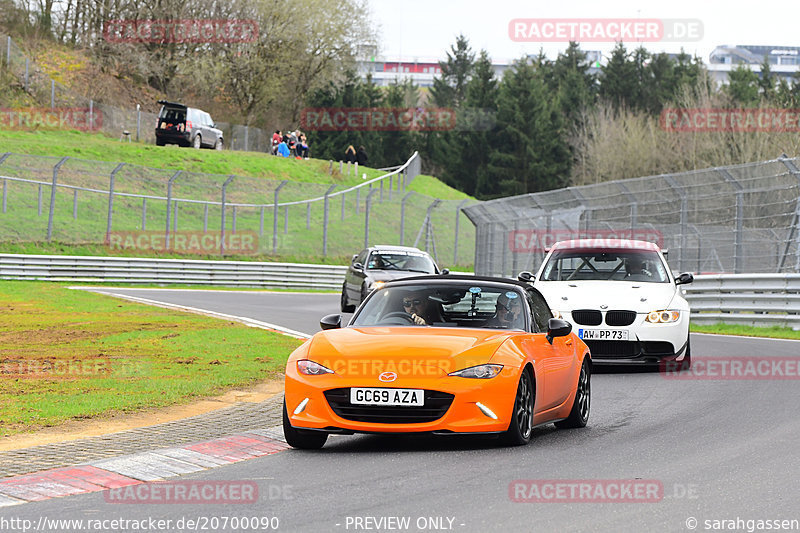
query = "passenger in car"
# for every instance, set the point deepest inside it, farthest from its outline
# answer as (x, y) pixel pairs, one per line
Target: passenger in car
(635, 270)
(508, 312)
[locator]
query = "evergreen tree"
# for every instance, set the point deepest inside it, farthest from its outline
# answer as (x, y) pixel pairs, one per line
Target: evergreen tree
(743, 85)
(766, 82)
(530, 153)
(618, 81)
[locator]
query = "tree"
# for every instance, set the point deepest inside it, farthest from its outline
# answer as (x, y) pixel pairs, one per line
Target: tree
(743, 86)
(619, 79)
(531, 153)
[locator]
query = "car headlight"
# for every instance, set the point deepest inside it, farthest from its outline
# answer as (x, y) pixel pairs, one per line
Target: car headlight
(377, 285)
(310, 368)
(478, 372)
(662, 317)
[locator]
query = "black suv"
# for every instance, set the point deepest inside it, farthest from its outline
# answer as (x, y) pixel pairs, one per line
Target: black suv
(186, 126)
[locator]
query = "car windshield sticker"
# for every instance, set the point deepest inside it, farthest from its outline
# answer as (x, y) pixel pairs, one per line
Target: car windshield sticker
(475, 290)
(511, 295)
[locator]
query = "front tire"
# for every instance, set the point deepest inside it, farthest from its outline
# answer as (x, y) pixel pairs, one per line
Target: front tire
(298, 438)
(520, 429)
(579, 414)
(345, 307)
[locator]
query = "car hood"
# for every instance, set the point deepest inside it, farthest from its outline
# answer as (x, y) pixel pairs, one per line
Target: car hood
(408, 351)
(592, 294)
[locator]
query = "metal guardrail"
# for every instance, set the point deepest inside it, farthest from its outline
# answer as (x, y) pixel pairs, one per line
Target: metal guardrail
(751, 299)
(170, 271)
(747, 299)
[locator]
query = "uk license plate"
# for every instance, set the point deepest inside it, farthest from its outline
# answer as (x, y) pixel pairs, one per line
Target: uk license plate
(379, 396)
(603, 334)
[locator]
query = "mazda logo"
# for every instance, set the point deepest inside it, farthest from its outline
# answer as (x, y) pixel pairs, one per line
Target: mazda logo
(388, 376)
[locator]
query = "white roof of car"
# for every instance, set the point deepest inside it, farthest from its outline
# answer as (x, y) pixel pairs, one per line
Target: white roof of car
(605, 244)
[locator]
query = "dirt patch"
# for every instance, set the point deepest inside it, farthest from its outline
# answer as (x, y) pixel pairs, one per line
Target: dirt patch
(74, 430)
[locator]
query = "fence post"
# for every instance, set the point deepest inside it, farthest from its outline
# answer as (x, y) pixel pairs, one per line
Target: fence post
(325, 222)
(75, 204)
(684, 221)
(144, 214)
(233, 227)
(343, 195)
(91, 113)
(403, 217)
(261, 223)
(247, 138)
(138, 121)
(175, 217)
(169, 206)
(5, 182)
(111, 198)
(795, 231)
(368, 201)
(52, 93)
(53, 198)
(40, 200)
(358, 194)
(308, 215)
(390, 188)
(455, 244)
(738, 236)
(222, 229)
(205, 217)
(341, 166)
(286, 220)
(275, 217)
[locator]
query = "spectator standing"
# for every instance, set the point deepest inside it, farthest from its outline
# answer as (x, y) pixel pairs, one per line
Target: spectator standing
(302, 146)
(350, 154)
(361, 156)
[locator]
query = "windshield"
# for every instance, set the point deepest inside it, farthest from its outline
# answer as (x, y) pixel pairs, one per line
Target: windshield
(468, 305)
(410, 261)
(628, 265)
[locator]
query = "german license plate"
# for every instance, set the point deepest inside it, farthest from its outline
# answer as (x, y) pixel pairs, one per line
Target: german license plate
(376, 396)
(603, 334)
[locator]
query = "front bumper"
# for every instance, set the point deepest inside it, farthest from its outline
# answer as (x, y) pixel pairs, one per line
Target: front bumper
(462, 415)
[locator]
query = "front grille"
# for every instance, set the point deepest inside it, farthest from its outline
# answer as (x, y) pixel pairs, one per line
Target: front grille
(605, 349)
(436, 405)
(620, 318)
(587, 317)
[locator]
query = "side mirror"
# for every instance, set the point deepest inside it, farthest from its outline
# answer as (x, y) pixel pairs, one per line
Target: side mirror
(684, 278)
(331, 322)
(557, 327)
(358, 266)
(526, 277)
(444, 271)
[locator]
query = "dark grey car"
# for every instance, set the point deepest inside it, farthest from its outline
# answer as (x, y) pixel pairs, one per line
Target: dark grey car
(186, 126)
(374, 266)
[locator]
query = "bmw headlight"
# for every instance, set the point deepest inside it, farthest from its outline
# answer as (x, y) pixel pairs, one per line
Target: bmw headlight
(663, 317)
(478, 372)
(310, 368)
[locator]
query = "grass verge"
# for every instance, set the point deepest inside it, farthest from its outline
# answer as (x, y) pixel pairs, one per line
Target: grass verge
(67, 354)
(748, 331)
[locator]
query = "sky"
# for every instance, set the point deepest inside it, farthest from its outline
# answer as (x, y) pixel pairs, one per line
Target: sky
(425, 29)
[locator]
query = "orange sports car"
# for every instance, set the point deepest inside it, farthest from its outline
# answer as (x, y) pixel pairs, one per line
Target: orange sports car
(439, 354)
